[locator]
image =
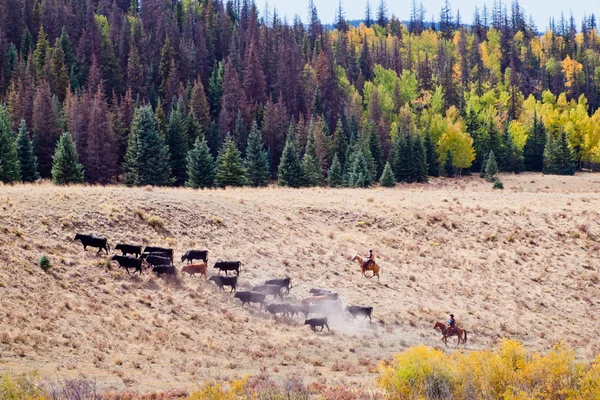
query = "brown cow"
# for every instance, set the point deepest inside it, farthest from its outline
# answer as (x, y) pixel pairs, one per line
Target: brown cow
(193, 269)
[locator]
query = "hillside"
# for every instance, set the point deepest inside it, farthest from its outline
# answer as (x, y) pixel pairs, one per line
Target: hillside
(519, 263)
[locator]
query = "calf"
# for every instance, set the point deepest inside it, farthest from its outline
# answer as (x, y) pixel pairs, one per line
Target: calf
(129, 262)
(129, 249)
(228, 266)
(355, 311)
(278, 309)
(284, 283)
(297, 309)
(192, 255)
(193, 269)
(269, 290)
(225, 281)
(154, 249)
(314, 322)
(92, 241)
(251, 297)
(164, 269)
(157, 260)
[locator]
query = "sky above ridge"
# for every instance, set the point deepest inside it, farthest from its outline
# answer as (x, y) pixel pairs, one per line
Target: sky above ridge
(540, 10)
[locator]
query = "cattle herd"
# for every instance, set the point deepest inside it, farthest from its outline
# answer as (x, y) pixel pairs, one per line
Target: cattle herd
(323, 304)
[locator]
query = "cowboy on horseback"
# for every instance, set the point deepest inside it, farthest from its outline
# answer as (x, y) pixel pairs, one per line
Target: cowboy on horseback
(370, 259)
(450, 325)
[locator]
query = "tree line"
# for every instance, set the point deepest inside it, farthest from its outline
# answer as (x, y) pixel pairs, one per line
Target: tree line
(208, 92)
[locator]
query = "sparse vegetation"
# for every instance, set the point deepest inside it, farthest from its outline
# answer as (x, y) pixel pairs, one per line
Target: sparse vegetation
(44, 263)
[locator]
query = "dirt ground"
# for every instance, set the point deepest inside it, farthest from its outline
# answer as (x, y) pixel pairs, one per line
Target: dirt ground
(519, 263)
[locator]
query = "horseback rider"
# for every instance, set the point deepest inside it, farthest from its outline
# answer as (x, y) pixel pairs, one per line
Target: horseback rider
(370, 259)
(451, 325)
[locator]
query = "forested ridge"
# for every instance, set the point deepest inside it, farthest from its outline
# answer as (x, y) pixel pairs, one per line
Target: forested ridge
(205, 93)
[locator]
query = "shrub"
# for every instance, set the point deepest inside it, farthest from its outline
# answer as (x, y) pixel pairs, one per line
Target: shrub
(156, 222)
(44, 263)
(22, 387)
(498, 184)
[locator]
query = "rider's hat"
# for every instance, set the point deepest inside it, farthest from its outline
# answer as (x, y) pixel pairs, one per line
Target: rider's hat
(452, 315)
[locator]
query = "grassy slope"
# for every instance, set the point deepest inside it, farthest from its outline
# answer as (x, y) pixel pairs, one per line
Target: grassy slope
(521, 263)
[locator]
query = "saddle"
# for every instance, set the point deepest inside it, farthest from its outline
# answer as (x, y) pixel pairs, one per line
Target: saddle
(368, 263)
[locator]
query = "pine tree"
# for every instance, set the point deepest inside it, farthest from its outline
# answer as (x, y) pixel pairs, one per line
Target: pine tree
(419, 160)
(358, 175)
(230, 169)
(558, 156)
(402, 158)
(257, 162)
(340, 145)
(176, 139)
(66, 168)
(147, 157)
(387, 177)
(27, 160)
(449, 165)
(290, 168)
(433, 167)
(533, 152)
(200, 166)
(375, 148)
(9, 161)
(41, 51)
(335, 178)
(491, 167)
(512, 157)
(483, 166)
(311, 165)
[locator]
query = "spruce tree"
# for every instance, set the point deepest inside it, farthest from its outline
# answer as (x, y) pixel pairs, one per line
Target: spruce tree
(27, 160)
(311, 165)
(449, 165)
(340, 145)
(147, 157)
(375, 148)
(176, 139)
(200, 166)
(387, 177)
(533, 152)
(9, 161)
(402, 158)
(419, 160)
(483, 166)
(558, 156)
(335, 176)
(513, 157)
(230, 168)
(433, 167)
(491, 167)
(290, 168)
(257, 162)
(66, 168)
(358, 176)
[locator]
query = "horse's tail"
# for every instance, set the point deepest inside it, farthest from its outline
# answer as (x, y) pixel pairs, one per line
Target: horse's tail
(465, 336)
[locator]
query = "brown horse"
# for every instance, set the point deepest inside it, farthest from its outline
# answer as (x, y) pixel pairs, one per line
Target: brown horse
(460, 333)
(371, 267)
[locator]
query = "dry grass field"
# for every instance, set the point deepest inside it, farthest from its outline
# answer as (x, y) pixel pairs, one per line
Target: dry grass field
(520, 263)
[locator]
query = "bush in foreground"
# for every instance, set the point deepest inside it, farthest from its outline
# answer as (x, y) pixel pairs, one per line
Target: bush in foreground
(44, 263)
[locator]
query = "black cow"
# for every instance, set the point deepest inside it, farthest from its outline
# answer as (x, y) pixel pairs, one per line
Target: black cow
(251, 297)
(129, 262)
(129, 249)
(275, 309)
(164, 269)
(163, 254)
(228, 266)
(284, 283)
(355, 311)
(269, 290)
(297, 309)
(314, 322)
(225, 281)
(154, 249)
(192, 255)
(158, 260)
(92, 241)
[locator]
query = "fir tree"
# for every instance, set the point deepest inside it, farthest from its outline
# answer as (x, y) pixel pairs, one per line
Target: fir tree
(449, 165)
(230, 169)
(419, 160)
(513, 157)
(433, 167)
(257, 162)
(311, 165)
(176, 139)
(27, 160)
(200, 166)
(558, 156)
(147, 157)
(9, 161)
(66, 168)
(387, 177)
(290, 168)
(340, 145)
(483, 166)
(375, 148)
(402, 158)
(358, 175)
(491, 167)
(335, 177)
(533, 152)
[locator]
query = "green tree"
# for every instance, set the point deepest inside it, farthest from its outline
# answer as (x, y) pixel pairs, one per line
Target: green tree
(312, 174)
(449, 165)
(491, 167)
(27, 160)
(257, 159)
(41, 51)
(66, 168)
(433, 167)
(558, 156)
(200, 166)
(147, 156)
(358, 175)
(533, 152)
(387, 177)
(290, 168)
(230, 168)
(340, 145)
(9, 161)
(419, 159)
(375, 148)
(176, 139)
(335, 177)
(513, 157)
(402, 160)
